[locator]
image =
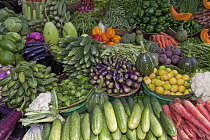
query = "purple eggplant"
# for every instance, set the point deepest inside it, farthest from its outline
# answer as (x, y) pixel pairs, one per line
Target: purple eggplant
(133, 67)
(121, 79)
(102, 70)
(126, 75)
(139, 80)
(114, 74)
(98, 81)
(135, 78)
(120, 71)
(115, 91)
(104, 88)
(105, 62)
(131, 74)
(110, 60)
(121, 91)
(95, 70)
(109, 76)
(8, 124)
(111, 85)
(125, 59)
(92, 81)
(128, 65)
(92, 74)
(95, 77)
(107, 82)
(135, 85)
(114, 58)
(126, 89)
(104, 73)
(108, 68)
(95, 85)
(137, 73)
(18, 133)
(98, 67)
(116, 78)
(117, 85)
(102, 65)
(123, 66)
(129, 82)
(5, 110)
(109, 91)
(118, 64)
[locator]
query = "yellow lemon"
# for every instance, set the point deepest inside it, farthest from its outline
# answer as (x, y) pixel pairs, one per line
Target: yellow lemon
(178, 76)
(158, 77)
(166, 92)
(153, 80)
(180, 82)
(187, 91)
(155, 70)
(160, 72)
(167, 86)
(168, 69)
(172, 93)
(185, 83)
(174, 88)
(164, 77)
(181, 88)
(166, 81)
(151, 87)
(185, 77)
(159, 89)
(170, 75)
(175, 72)
(173, 81)
(152, 76)
(147, 80)
(158, 83)
(162, 67)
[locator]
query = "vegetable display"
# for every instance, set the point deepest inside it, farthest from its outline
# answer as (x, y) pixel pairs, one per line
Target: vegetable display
(120, 76)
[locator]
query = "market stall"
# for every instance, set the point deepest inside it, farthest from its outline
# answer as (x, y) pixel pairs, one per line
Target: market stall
(105, 70)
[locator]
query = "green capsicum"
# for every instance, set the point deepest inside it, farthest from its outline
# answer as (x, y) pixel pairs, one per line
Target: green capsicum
(165, 5)
(154, 5)
(166, 25)
(161, 1)
(131, 21)
(146, 4)
(142, 26)
(165, 10)
(145, 19)
(149, 29)
(168, 16)
(158, 12)
(161, 19)
(158, 28)
(149, 11)
(134, 14)
(153, 20)
(141, 13)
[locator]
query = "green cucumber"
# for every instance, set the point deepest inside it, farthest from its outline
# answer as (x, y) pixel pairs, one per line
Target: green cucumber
(75, 126)
(130, 102)
(93, 136)
(117, 134)
(97, 120)
(55, 133)
(155, 126)
(124, 137)
(157, 108)
(147, 102)
(46, 131)
(140, 103)
(164, 136)
(125, 104)
(145, 120)
(167, 124)
(122, 118)
(150, 136)
(5, 80)
(134, 118)
(85, 126)
(105, 133)
(110, 117)
(65, 129)
(131, 134)
(140, 134)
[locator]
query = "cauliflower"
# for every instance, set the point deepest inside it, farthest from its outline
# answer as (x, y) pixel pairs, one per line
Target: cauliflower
(41, 102)
(200, 85)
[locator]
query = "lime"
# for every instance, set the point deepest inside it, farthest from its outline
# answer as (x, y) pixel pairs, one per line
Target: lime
(174, 88)
(151, 87)
(162, 67)
(167, 86)
(159, 89)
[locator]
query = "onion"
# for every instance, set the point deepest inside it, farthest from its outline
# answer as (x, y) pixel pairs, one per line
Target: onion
(3, 74)
(129, 82)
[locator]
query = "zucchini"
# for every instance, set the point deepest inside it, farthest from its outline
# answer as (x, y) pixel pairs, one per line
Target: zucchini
(85, 126)
(117, 134)
(105, 133)
(131, 134)
(168, 124)
(145, 120)
(46, 131)
(134, 119)
(155, 126)
(157, 108)
(97, 120)
(65, 129)
(74, 126)
(110, 117)
(125, 104)
(122, 118)
(140, 134)
(55, 133)
(150, 136)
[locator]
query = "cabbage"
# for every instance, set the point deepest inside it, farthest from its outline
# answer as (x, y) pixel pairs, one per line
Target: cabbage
(13, 24)
(15, 35)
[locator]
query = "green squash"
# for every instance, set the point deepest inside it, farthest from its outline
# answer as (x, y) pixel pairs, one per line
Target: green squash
(188, 63)
(96, 97)
(181, 35)
(146, 62)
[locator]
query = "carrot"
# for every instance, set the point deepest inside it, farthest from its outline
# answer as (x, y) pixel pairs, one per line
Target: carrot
(177, 100)
(208, 105)
(186, 129)
(165, 35)
(169, 42)
(193, 128)
(176, 115)
(179, 108)
(162, 39)
(202, 134)
(182, 134)
(154, 38)
(159, 41)
(202, 109)
(173, 42)
(167, 110)
(191, 108)
(200, 101)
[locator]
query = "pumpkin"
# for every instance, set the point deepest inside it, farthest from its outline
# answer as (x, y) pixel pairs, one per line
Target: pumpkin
(146, 61)
(206, 4)
(205, 36)
(188, 63)
(96, 97)
(181, 35)
(179, 16)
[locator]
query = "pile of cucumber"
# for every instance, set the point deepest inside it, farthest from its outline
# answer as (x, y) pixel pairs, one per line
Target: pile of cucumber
(120, 119)
(25, 82)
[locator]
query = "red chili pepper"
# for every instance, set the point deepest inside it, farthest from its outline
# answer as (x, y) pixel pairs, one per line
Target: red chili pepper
(97, 37)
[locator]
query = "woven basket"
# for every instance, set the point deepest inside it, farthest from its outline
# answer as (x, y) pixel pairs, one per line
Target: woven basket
(122, 32)
(73, 6)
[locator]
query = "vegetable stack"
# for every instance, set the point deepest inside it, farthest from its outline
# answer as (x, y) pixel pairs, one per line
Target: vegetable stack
(192, 121)
(26, 81)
